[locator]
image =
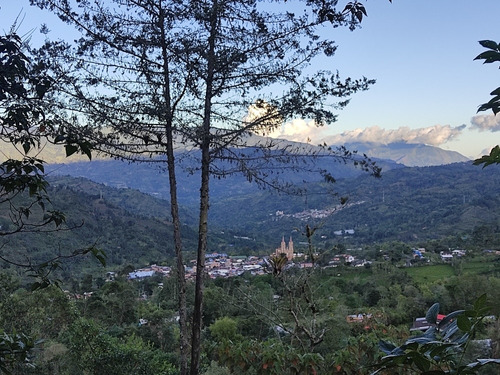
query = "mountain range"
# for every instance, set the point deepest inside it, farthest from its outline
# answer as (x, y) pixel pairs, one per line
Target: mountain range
(125, 205)
(408, 154)
(414, 205)
(404, 204)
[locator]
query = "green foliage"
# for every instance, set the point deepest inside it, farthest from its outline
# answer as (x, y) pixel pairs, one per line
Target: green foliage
(440, 349)
(223, 329)
(278, 262)
(113, 304)
(492, 158)
(492, 55)
(268, 357)
(215, 369)
(28, 121)
(99, 353)
(417, 204)
(15, 351)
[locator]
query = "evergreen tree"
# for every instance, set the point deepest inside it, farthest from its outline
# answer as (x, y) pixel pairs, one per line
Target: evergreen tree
(147, 76)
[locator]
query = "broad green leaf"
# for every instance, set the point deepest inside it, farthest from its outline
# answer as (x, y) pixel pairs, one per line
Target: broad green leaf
(495, 99)
(421, 362)
(439, 349)
(480, 303)
(419, 340)
(450, 330)
(432, 314)
(87, 150)
(26, 147)
(464, 323)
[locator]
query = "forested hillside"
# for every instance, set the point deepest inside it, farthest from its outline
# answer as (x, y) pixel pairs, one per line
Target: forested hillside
(129, 226)
(409, 204)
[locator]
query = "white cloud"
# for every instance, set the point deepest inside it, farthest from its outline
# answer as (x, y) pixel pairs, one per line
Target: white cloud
(306, 131)
(299, 130)
(433, 135)
(486, 123)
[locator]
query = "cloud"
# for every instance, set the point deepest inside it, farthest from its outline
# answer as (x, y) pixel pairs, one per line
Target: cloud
(299, 130)
(486, 123)
(433, 135)
(307, 131)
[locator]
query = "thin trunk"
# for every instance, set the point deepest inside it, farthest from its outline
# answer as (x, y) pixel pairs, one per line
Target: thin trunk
(204, 199)
(181, 279)
(174, 206)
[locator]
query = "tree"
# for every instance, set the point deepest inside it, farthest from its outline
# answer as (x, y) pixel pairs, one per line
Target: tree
(96, 352)
(139, 74)
(27, 121)
(490, 56)
(14, 351)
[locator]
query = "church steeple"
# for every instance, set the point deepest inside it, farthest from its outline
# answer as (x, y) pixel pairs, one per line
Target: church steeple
(284, 249)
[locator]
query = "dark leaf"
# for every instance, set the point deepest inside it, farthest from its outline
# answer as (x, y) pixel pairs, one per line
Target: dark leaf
(480, 303)
(488, 56)
(432, 314)
(421, 362)
(464, 323)
(448, 318)
(386, 346)
(489, 44)
(70, 149)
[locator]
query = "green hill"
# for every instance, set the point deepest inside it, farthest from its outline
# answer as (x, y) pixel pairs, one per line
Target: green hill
(131, 227)
(408, 204)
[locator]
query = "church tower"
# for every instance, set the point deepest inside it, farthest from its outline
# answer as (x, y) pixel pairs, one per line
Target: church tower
(284, 249)
(283, 245)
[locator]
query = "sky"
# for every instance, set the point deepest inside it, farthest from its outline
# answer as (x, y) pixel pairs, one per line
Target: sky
(420, 52)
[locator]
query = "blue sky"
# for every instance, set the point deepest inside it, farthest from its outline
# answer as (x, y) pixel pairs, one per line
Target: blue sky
(421, 54)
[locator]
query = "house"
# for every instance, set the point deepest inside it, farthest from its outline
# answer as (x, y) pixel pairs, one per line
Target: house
(140, 274)
(446, 257)
(358, 318)
(421, 324)
(458, 253)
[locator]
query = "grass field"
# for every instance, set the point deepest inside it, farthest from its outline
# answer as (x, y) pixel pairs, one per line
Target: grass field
(428, 274)
(485, 266)
(441, 271)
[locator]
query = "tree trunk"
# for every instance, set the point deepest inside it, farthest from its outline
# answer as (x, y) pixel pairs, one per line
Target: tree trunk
(181, 279)
(174, 207)
(204, 197)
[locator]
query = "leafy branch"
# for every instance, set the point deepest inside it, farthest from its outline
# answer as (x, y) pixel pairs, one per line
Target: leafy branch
(490, 56)
(440, 350)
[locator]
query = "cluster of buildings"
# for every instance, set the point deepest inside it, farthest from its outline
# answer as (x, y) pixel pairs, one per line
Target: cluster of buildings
(149, 271)
(222, 265)
(341, 259)
(316, 214)
(448, 256)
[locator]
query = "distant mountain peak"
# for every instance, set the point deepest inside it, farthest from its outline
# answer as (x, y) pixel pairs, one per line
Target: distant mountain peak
(409, 154)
